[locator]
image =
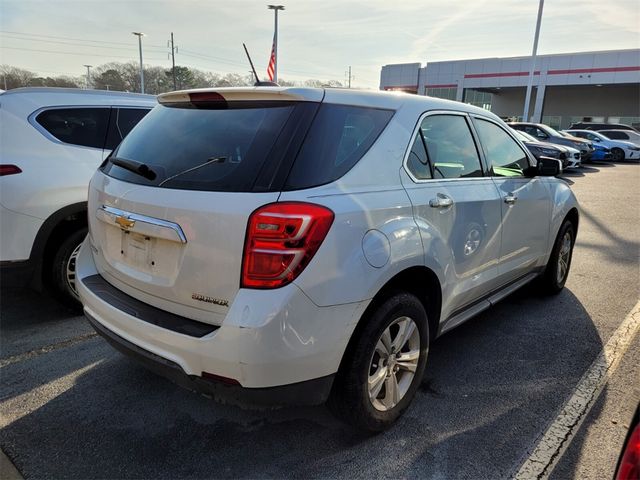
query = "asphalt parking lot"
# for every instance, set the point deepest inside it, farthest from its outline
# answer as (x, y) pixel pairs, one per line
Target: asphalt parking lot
(72, 407)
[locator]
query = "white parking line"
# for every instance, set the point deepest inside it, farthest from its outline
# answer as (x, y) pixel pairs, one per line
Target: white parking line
(558, 436)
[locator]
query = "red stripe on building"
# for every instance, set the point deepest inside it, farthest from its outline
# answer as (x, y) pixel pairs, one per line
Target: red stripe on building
(442, 85)
(500, 74)
(594, 70)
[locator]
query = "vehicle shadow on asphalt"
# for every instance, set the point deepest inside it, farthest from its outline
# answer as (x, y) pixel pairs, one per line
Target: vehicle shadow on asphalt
(614, 246)
(491, 388)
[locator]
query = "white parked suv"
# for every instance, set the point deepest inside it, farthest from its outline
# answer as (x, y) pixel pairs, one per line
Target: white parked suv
(51, 142)
(620, 149)
(297, 245)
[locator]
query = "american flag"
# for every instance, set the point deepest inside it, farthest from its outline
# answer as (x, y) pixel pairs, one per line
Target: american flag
(272, 60)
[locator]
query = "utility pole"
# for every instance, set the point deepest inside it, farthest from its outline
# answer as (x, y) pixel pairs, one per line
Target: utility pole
(88, 75)
(525, 115)
(174, 49)
(349, 77)
(275, 8)
(140, 35)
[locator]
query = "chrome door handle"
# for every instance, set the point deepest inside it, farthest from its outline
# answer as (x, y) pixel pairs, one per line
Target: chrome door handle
(510, 198)
(441, 201)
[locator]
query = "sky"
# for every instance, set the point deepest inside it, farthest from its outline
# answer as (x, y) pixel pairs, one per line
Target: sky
(317, 39)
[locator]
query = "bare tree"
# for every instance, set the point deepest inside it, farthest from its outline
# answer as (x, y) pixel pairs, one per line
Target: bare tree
(13, 77)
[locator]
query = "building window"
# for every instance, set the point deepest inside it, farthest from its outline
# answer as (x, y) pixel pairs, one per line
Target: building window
(633, 121)
(554, 121)
(448, 93)
(477, 98)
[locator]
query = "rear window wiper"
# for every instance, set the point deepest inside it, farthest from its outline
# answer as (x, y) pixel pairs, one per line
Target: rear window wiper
(209, 161)
(141, 169)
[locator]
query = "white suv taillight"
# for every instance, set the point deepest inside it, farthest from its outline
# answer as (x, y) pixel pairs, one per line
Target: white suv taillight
(281, 240)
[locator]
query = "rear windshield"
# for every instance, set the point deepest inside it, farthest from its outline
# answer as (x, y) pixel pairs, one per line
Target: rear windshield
(202, 149)
(246, 147)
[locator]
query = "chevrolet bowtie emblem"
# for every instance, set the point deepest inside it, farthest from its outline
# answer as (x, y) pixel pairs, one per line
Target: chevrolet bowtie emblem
(125, 222)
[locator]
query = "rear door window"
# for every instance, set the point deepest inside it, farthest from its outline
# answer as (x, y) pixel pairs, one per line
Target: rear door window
(616, 135)
(338, 138)
(85, 127)
(122, 122)
(451, 151)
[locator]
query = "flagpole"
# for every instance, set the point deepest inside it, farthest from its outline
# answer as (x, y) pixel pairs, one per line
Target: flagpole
(275, 8)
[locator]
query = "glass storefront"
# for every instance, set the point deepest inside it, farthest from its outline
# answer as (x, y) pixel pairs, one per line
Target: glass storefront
(448, 93)
(477, 98)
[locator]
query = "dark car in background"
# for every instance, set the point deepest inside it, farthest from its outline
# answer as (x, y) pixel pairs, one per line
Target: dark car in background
(543, 149)
(545, 133)
(600, 126)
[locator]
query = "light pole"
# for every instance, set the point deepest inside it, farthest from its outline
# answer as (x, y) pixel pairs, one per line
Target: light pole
(275, 9)
(140, 35)
(525, 115)
(88, 74)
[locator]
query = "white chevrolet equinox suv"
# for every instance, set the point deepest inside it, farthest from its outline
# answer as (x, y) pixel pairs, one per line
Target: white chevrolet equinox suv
(285, 245)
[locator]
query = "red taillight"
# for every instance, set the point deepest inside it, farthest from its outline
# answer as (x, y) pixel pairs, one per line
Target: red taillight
(9, 170)
(282, 238)
(630, 463)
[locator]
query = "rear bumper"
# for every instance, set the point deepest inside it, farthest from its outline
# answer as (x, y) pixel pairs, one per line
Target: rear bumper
(269, 338)
(312, 392)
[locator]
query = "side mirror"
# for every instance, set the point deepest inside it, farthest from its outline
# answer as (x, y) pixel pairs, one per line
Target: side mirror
(549, 167)
(596, 139)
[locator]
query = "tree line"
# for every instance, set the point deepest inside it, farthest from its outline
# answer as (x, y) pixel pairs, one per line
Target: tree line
(125, 77)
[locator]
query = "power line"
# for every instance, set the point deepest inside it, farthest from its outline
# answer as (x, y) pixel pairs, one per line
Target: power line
(67, 43)
(69, 38)
(189, 53)
(70, 53)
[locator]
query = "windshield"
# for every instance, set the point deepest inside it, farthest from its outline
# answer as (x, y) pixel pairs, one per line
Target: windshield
(524, 137)
(552, 131)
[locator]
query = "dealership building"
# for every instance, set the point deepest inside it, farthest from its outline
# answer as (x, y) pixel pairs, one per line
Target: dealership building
(586, 86)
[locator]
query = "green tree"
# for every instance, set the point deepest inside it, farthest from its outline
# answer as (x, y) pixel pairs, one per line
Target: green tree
(110, 79)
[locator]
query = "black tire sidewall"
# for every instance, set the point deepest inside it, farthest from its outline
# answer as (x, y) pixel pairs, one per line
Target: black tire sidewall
(551, 273)
(59, 262)
(350, 396)
(618, 154)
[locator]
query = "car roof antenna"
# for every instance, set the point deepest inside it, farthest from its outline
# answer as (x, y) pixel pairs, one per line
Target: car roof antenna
(258, 82)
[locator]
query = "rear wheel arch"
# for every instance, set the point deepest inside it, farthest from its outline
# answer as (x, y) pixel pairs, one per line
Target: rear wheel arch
(60, 225)
(574, 217)
(419, 281)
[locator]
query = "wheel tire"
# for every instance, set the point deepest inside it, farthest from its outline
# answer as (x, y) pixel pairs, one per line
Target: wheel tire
(63, 269)
(349, 399)
(617, 154)
(555, 276)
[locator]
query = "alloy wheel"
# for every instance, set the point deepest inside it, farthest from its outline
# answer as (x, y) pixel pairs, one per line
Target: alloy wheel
(71, 271)
(393, 363)
(564, 257)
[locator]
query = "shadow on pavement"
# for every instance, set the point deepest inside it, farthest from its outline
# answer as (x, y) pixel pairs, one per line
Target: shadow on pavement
(490, 389)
